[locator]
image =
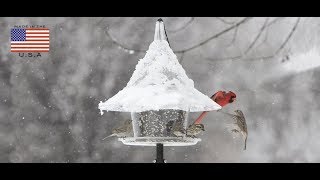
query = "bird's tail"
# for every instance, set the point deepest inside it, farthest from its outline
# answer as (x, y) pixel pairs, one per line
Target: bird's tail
(107, 137)
(245, 143)
(200, 118)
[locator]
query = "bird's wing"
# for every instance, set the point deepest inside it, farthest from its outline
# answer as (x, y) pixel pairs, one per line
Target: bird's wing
(243, 124)
(239, 113)
(123, 129)
(128, 121)
(213, 96)
(242, 120)
(217, 94)
(245, 143)
(129, 128)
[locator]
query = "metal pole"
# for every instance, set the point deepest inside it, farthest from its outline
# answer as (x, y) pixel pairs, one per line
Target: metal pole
(160, 34)
(159, 158)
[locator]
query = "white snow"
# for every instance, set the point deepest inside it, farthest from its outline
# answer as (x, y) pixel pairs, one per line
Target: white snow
(159, 82)
(304, 61)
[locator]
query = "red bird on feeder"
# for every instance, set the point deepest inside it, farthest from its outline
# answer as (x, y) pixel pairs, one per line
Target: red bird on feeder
(222, 98)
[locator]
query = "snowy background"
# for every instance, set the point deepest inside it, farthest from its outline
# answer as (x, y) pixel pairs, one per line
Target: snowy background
(49, 105)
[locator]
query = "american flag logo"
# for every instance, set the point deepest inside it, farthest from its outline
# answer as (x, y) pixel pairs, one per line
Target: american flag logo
(30, 40)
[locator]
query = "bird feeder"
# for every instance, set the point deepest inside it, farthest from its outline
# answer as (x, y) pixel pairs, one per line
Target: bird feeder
(159, 96)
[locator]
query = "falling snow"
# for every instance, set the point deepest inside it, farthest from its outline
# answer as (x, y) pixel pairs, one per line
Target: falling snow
(287, 131)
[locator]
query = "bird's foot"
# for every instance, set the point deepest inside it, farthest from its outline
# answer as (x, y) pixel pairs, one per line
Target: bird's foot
(179, 135)
(191, 136)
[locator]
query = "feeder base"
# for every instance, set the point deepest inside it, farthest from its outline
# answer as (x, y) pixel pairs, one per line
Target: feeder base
(153, 141)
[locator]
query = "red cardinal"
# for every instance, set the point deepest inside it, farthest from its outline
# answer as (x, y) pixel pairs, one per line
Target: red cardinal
(222, 98)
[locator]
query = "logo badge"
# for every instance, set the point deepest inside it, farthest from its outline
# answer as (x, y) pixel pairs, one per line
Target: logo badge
(30, 40)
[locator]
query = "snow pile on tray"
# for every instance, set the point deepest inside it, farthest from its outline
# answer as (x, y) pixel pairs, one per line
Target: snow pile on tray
(159, 82)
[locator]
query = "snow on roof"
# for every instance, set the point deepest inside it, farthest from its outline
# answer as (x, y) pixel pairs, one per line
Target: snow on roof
(159, 82)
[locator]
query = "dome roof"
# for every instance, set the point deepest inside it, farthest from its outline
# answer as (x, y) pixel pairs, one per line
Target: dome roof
(159, 82)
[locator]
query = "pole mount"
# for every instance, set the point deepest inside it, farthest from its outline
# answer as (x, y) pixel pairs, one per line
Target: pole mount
(159, 156)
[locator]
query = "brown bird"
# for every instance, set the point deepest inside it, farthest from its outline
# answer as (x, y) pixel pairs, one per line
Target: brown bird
(191, 131)
(178, 130)
(122, 131)
(241, 125)
(194, 129)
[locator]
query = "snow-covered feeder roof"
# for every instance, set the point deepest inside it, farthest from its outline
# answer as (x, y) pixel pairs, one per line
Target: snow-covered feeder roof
(159, 82)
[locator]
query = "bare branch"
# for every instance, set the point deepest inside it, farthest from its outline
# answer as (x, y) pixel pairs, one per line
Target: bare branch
(259, 58)
(129, 50)
(258, 36)
(239, 57)
(267, 29)
(289, 36)
(234, 36)
(224, 58)
(182, 27)
(236, 25)
(181, 58)
(314, 89)
(215, 36)
(224, 21)
(100, 21)
(265, 37)
(275, 21)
